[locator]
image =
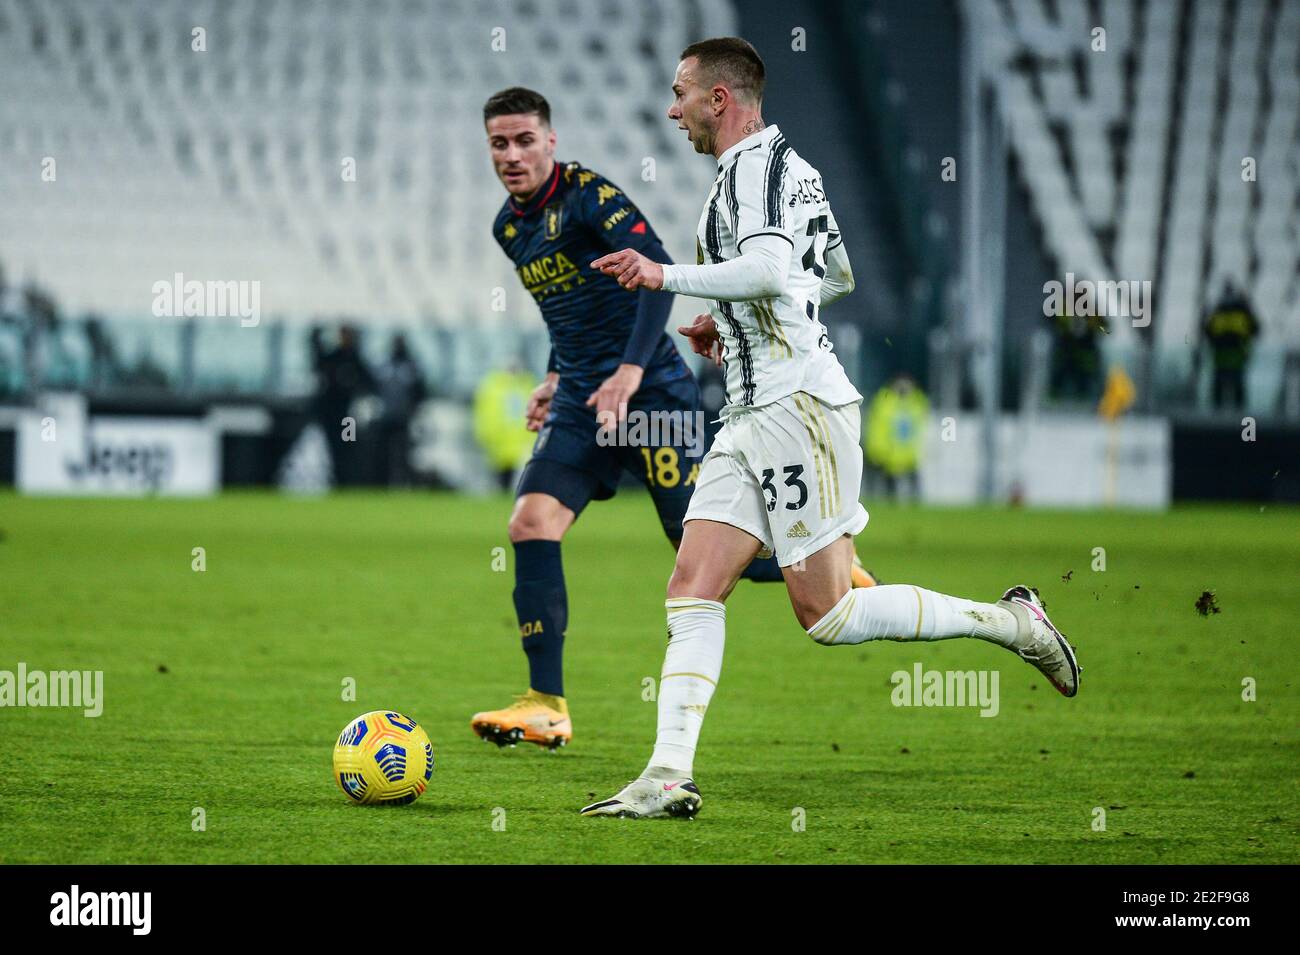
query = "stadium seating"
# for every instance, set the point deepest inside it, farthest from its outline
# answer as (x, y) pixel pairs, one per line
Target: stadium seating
(1133, 156)
(227, 164)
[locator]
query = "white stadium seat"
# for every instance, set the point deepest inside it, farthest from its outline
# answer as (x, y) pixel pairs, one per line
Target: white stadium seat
(1231, 92)
(227, 163)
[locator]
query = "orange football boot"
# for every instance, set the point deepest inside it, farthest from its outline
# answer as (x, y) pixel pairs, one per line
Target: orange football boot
(860, 576)
(532, 718)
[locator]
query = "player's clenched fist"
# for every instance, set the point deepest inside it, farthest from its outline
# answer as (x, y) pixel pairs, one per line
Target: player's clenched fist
(539, 402)
(703, 336)
(632, 269)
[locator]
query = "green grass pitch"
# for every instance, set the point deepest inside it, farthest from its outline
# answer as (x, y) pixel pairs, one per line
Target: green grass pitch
(223, 690)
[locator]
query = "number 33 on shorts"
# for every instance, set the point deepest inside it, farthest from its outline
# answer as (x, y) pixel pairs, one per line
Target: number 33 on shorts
(792, 474)
(788, 473)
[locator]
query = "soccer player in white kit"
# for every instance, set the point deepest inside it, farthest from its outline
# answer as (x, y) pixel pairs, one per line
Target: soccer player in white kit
(784, 473)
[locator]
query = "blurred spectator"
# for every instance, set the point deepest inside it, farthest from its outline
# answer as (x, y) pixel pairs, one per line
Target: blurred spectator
(40, 322)
(895, 430)
(1076, 357)
(1230, 330)
(341, 378)
(401, 389)
(499, 404)
(105, 369)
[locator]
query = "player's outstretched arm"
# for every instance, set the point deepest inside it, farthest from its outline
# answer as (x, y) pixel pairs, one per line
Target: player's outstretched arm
(632, 269)
(760, 271)
(757, 215)
(614, 393)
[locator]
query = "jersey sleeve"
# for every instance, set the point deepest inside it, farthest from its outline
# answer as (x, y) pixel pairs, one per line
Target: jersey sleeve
(834, 239)
(611, 215)
(758, 196)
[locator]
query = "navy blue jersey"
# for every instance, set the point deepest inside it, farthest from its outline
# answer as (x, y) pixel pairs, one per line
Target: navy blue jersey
(575, 218)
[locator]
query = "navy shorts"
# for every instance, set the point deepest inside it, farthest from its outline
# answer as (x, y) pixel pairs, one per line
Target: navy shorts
(661, 444)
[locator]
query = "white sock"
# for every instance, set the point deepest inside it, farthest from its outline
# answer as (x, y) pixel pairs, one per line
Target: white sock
(904, 612)
(692, 664)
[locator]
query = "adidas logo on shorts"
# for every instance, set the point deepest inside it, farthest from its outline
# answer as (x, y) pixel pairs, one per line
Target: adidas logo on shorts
(798, 530)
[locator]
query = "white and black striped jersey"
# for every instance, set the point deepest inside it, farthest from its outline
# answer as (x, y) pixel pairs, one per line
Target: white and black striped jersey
(775, 347)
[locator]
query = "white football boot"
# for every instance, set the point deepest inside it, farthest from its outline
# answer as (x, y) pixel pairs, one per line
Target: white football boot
(1039, 642)
(651, 797)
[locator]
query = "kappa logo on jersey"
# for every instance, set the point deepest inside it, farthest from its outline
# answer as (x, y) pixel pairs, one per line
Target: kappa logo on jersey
(510, 231)
(798, 530)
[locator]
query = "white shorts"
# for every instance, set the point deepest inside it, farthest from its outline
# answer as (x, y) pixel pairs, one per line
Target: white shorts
(788, 473)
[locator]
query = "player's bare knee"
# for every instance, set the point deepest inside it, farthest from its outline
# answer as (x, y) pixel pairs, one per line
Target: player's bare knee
(811, 609)
(807, 615)
(681, 582)
(532, 528)
(535, 521)
(693, 580)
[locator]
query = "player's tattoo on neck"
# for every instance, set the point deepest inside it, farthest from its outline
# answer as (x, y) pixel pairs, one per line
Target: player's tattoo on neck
(753, 126)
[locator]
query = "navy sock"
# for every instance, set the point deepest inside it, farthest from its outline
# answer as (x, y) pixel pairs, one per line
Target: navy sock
(763, 570)
(542, 606)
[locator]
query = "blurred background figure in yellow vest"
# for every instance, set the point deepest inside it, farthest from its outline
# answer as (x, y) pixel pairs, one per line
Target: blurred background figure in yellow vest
(1230, 330)
(499, 428)
(895, 430)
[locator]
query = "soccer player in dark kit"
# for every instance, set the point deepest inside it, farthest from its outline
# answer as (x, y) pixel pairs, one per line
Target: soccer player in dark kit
(611, 362)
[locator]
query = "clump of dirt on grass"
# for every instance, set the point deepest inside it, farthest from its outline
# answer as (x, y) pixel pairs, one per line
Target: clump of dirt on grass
(1207, 603)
